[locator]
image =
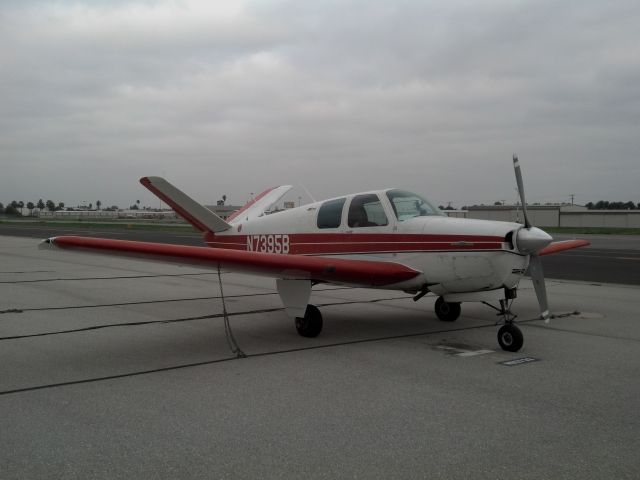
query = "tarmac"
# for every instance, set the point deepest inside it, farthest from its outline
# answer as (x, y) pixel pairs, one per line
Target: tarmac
(116, 368)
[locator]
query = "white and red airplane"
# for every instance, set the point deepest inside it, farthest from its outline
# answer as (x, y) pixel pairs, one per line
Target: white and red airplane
(385, 239)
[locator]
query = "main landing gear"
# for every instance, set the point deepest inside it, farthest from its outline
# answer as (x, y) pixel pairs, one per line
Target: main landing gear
(447, 312)
(311, 324)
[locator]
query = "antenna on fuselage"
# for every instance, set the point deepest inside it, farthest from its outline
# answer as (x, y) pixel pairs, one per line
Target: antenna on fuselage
(308, 193)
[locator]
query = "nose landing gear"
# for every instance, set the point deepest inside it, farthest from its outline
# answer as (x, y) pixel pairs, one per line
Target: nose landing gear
(510, 336)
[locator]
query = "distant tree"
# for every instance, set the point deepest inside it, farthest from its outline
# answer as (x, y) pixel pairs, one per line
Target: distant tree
(20, 205)
(1, 208)
(134, 207)
(138, 203)
(50, 205)
(40, 204)
(605, 205)
(98, 204)
(30, 206)
(12, 208)
(60, 206)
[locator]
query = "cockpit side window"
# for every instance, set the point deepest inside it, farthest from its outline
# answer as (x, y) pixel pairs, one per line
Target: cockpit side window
(330, 213)
(366, 211)
(408, 205)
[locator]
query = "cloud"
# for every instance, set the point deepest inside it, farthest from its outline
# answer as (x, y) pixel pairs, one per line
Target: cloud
(340, 96)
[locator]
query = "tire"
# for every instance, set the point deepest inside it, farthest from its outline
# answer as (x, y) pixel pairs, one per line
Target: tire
(447, 312)
(510, 338)
(311, 325)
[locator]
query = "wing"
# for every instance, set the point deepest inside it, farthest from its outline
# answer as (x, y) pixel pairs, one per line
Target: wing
(332, 270)
(563, 245)
(255, 208)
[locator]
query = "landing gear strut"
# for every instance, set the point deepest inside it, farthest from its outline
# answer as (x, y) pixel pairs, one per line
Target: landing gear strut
(311, 324)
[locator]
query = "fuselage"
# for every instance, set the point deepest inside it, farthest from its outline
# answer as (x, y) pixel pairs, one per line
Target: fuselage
(454, 255)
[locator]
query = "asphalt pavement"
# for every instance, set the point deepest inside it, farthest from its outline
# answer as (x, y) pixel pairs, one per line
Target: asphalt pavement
(117, 368)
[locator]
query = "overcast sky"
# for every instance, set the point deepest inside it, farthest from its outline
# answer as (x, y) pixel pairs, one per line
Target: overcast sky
(340, 96)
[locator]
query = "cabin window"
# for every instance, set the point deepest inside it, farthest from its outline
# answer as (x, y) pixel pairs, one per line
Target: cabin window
(408, 205)
(330, 213)
(366, 211)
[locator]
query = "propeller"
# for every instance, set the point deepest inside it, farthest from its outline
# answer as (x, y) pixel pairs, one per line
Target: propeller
(531, 240)
(516, 167)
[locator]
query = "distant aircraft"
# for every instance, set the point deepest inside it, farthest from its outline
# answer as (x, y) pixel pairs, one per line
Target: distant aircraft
(385, 239)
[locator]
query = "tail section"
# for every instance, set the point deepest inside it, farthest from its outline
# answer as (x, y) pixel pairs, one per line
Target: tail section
(200, 217)
(256, 208)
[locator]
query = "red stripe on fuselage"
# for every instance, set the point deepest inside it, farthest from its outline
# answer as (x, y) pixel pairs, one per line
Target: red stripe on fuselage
(346, 243)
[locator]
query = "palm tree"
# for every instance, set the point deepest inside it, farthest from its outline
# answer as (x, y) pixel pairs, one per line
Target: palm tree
(30, 206)
(98, 203)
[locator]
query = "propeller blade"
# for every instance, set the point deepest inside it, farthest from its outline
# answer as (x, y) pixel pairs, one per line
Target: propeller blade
(516, 167)
(537, 275)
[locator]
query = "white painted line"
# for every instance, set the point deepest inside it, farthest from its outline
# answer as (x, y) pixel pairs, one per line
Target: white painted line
(461, 352)
(444, 347)
(473, 353)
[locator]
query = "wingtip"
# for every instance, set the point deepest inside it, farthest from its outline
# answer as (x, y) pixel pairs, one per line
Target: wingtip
(46, 243)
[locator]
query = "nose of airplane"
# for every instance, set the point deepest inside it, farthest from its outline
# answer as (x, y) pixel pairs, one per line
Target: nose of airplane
(532, 239)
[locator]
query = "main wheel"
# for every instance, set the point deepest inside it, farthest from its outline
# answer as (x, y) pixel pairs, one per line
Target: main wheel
(311, 325)
(510, 338)
(447, 312)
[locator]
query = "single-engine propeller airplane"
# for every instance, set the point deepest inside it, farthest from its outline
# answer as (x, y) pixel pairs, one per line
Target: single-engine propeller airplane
(386, 239)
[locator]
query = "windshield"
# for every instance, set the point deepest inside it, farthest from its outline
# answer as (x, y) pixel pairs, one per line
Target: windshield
(408, 205)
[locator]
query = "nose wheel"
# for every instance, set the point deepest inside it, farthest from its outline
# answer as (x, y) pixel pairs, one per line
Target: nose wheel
(510, 337)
